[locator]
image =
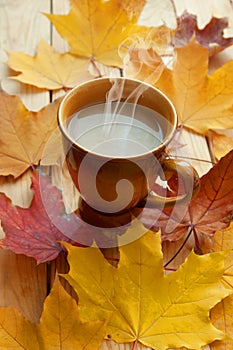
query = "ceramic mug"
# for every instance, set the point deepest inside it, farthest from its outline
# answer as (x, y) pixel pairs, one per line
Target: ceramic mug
(112, 183)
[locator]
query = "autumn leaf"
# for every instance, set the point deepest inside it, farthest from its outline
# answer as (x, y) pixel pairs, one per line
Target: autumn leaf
(23, 134)
(202, 102)
(208, 212)
(160, 311)
(49, 69)
(58, 327)
(222, 314)
(96, 29)
(211, 36)
(222, 142)
(37, 231)
(16, 332)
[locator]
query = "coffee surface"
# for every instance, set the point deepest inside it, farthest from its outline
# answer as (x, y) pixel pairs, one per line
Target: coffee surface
(118, 130)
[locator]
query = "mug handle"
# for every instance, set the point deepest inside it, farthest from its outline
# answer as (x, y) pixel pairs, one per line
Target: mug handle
(190, 179)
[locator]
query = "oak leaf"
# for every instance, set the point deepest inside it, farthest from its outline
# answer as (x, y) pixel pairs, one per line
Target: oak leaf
(208, 212)
(36, 231)
(211, 36)
(96, 29)
(23, 134)
(59, 327)
(160, 311)
(48, 68)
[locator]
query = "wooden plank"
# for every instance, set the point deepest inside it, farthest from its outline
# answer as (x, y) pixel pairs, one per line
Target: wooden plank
(23, 283)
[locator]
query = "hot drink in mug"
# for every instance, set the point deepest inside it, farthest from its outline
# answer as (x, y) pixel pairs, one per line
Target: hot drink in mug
(115, 149)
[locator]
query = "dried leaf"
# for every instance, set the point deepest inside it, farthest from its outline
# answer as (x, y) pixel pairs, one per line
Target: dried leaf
(23, 134)
(49, 69)
(161, 317)
(58, 328)
(90, 36)
(16, 332)
(202, 102)
(208, 212)
(211, 36)
(37, 231)
(222, 143)
(60, 325)
(222, 314)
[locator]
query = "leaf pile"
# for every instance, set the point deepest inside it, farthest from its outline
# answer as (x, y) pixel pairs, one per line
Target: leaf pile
(135, 302)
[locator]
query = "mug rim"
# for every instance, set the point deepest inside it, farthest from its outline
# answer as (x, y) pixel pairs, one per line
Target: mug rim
(74, 143)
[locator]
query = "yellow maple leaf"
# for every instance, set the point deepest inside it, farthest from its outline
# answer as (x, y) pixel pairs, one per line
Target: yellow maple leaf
(202, 101)
(157, 310)
(222, 314)
(59, 328)
(49, 69)
(222, 142)
(96, 28)
(23, 134)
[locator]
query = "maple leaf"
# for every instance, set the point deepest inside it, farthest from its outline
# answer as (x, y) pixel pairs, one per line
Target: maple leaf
(202, 102)
(211, 36)
(222, 142)
(90, 36)
(58, 327)
(157, 310)
(36, 231)
(208, 212)
(222, 314)
(49, 69)
(17, 151)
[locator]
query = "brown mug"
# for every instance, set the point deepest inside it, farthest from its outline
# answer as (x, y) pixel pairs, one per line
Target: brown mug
(112, 183)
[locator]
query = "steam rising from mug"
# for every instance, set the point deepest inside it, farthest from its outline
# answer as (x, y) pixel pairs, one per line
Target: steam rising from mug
(110, 180)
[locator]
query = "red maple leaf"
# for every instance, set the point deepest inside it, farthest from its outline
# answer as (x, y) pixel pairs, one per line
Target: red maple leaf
(209, 211)
(37, 231)
(212, 33)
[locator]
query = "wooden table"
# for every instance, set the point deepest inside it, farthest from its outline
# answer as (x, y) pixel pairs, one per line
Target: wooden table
(23, 284)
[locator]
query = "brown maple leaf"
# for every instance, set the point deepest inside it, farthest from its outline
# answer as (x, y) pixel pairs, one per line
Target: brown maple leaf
(211, 36)
(209, 211)
(37, 231)
(23, 134)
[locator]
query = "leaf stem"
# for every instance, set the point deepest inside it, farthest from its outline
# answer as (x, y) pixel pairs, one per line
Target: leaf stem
(135, 345)
(96, 67)
(181, 247)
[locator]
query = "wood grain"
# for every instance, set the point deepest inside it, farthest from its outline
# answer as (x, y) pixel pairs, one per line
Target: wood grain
(23, 284)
